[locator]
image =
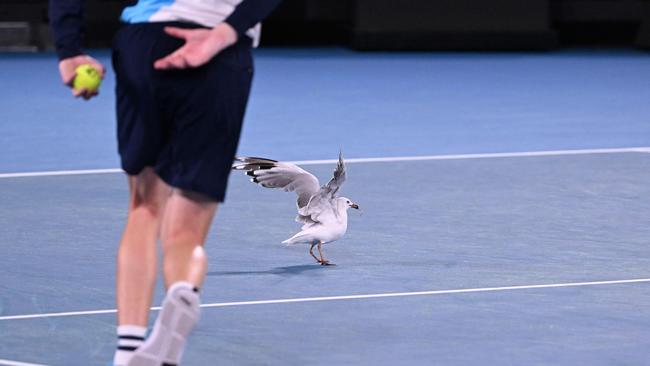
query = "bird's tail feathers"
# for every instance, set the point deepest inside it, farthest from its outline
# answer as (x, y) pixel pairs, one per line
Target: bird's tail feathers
(301, 237)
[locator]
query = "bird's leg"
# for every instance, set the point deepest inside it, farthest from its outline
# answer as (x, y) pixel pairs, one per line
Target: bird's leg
(311, 251)
(323, 262)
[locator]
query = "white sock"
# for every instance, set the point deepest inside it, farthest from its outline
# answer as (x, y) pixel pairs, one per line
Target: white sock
(129, 338)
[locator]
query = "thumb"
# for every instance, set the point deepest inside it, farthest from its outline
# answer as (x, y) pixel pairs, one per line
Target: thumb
(176, 32)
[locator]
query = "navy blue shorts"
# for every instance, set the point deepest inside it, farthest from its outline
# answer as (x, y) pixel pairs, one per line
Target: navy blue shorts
(183, 123)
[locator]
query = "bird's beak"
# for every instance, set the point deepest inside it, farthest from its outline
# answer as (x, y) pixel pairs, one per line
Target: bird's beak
(354, 206)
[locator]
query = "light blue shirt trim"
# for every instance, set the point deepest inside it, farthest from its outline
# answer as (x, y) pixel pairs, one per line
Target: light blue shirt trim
(143, 10)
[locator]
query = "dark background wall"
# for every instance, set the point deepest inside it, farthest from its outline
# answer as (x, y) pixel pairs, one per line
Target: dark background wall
(453, 24)
(391, 25)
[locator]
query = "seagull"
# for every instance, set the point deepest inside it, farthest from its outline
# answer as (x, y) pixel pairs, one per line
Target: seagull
(323, 215)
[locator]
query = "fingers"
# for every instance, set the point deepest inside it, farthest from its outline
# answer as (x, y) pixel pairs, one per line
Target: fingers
(175, 60)
(66, 70)
(176, 32)
(68, 66)
(85, 93)
(188, 56)
(170, 62)
(201, 45)
(179, 60)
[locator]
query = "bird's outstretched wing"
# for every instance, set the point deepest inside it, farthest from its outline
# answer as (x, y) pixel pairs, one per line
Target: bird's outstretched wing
(274, 174)
(322, 207)
(337, 180)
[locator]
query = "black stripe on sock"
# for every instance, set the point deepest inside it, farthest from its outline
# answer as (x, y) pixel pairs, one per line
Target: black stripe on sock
(127, 348)
(131, 337)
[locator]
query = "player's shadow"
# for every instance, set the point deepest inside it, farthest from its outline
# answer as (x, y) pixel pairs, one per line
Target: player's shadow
(279, 271)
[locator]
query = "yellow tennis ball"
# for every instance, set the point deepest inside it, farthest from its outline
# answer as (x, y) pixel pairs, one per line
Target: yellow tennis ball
(87, 77)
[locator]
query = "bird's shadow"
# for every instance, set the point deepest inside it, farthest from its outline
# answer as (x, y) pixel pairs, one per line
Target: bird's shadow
(279, 271)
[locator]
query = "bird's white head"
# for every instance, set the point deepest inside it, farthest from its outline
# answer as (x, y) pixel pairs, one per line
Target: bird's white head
(347, 203)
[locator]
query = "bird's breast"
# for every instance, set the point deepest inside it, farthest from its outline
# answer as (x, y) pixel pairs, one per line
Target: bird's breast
(336, 232)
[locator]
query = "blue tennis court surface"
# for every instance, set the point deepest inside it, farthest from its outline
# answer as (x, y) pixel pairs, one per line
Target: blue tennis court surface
(549, 251)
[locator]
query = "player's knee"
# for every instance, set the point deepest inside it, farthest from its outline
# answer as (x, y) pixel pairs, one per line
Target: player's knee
(146, 210)
(143, 203)
(148, 195)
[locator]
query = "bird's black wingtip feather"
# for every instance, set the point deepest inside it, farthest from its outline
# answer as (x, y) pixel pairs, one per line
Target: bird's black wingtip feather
(250, 159)
(250, 163)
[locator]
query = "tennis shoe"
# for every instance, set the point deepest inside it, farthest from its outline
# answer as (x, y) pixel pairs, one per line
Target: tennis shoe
(178, 316)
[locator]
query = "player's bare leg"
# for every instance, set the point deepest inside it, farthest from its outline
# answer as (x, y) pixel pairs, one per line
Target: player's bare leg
(188, 217)
(137, 259)
(185, 226)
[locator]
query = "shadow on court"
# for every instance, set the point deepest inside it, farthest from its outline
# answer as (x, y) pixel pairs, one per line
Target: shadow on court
(279, 271)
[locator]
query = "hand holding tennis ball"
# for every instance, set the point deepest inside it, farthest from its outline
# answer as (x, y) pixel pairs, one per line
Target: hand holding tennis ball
(83, 74)
(87, 77)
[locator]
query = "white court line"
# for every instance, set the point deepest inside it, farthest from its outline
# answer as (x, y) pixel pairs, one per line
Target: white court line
(60, 172)
(374, 160)
(16, 363)
(347, 297)
(521, 154)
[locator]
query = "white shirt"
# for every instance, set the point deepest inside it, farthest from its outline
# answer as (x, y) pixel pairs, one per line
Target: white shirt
(208, 13)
